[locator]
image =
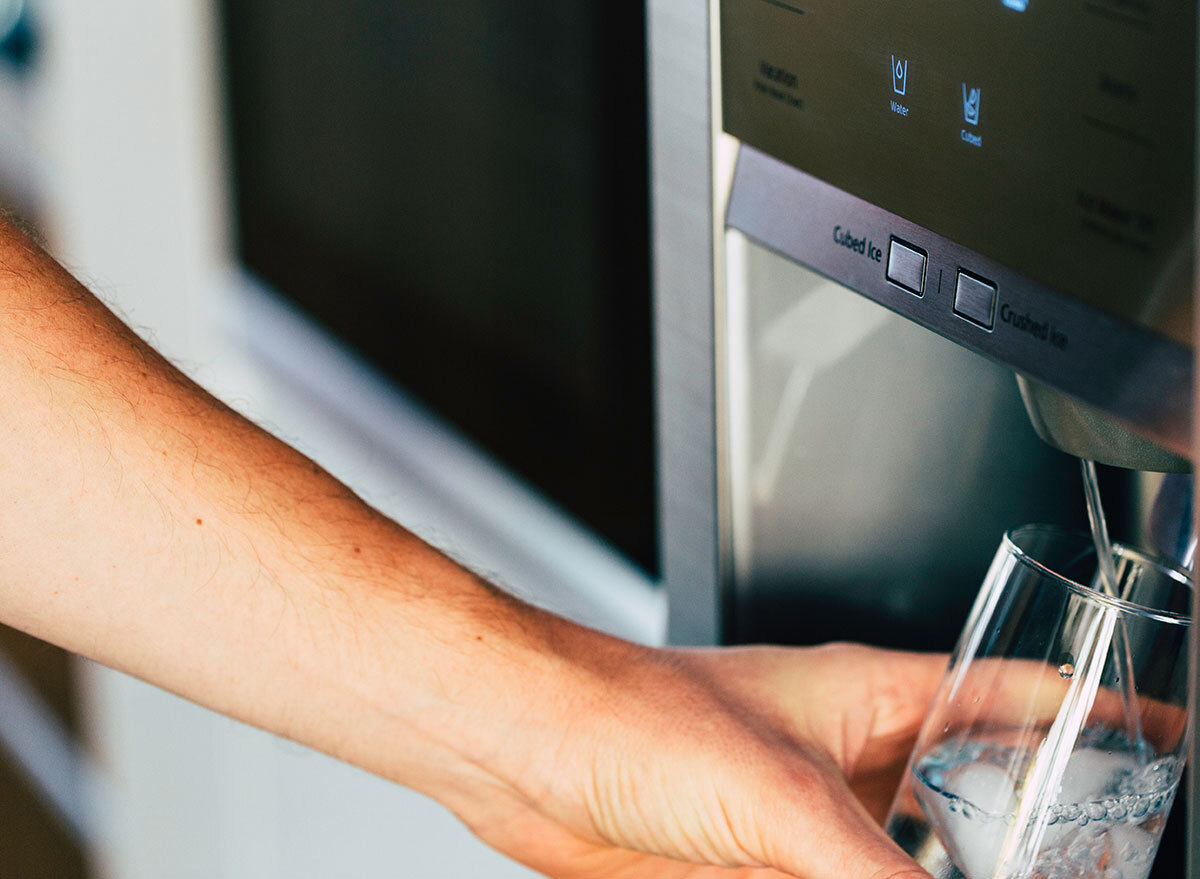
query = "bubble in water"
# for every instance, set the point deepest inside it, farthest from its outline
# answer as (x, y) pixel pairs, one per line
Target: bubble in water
(1105, 822)
(1066, 666)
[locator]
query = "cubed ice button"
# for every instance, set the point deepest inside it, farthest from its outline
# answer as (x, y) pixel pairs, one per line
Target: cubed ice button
(975, 299)
(906, 267)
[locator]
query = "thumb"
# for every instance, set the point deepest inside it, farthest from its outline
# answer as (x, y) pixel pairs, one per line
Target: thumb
(823, 832)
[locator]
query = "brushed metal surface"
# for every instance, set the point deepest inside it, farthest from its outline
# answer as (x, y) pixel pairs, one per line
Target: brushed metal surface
(975, 299)
(906, 267)
(1135, 375)
(681, 173)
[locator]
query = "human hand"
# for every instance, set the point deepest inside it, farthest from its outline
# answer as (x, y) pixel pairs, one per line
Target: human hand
(233, 571)
(759, 763)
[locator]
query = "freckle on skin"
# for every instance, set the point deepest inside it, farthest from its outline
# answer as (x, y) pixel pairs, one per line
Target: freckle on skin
(199, 521)
(358, 549)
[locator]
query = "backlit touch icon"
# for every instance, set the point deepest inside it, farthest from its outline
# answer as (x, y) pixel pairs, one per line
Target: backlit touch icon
(971, 105)
(899, 75)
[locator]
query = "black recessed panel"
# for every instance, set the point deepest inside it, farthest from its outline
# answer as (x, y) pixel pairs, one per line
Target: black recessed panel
(459, 190)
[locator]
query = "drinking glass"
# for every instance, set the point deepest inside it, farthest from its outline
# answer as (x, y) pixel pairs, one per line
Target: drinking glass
(1032, 762)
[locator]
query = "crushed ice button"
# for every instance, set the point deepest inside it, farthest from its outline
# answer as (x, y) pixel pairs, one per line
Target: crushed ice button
(975, 299)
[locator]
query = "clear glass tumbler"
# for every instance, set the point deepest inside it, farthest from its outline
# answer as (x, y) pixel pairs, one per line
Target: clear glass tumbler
(1032, 761)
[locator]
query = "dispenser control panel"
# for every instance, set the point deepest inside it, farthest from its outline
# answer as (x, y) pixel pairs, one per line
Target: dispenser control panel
(1054, 138)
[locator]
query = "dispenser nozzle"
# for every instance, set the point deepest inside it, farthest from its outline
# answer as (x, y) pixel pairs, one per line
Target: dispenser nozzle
(1087, 432)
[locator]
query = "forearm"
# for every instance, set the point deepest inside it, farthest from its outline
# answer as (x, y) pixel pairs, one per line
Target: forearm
(147, 526)
(151, 528)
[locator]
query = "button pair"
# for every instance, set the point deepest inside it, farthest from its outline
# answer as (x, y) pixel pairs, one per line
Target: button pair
(974, 297)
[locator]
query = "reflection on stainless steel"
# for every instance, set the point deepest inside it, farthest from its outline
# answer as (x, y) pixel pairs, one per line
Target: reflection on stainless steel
(819, 330)
(10, 15)
(872, 464)
(1171, 531)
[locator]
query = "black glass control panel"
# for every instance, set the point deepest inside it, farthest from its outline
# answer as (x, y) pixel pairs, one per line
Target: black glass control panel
(1054, 138)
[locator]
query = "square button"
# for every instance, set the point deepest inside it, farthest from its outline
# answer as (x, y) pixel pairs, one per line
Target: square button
(906, 267)
(975, 299)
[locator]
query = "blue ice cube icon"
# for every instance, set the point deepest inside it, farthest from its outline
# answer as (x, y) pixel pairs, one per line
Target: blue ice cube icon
(971, 105)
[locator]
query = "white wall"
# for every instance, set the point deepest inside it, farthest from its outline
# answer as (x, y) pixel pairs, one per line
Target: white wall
(124, 128)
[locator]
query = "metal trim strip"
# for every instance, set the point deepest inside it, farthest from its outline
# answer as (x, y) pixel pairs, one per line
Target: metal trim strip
(1136, 375)
(681, 130)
